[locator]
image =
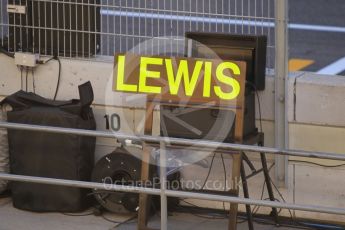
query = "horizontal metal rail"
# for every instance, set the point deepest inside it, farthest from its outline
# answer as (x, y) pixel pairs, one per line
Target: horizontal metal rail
(172, 193)
(174, 141)
(164, 192)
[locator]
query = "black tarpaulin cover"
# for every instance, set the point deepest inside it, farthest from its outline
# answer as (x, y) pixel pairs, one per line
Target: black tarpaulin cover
(63, 156)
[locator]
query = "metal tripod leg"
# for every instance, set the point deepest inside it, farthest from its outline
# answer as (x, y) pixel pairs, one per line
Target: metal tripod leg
(268, 184)
(246, 195)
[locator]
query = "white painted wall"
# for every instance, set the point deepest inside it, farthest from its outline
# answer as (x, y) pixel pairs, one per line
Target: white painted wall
(316, 123)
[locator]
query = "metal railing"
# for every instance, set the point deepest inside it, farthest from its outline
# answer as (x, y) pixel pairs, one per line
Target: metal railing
(179, 141)
(166, 192)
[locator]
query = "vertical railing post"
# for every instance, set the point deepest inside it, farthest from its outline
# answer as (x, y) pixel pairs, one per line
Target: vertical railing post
(281, 82)
(163, 182)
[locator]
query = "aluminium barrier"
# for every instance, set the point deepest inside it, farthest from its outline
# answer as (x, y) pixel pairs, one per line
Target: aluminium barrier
(165, 192)
(179, 141)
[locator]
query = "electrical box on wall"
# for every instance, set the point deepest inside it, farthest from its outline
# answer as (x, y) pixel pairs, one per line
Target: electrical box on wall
(19, 9)
(26, 59)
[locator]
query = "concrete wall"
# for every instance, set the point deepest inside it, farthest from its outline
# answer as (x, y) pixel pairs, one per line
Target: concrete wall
(316, 123)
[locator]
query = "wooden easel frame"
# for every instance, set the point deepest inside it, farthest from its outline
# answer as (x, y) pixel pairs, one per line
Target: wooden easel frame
(235, 102)
(144, 199)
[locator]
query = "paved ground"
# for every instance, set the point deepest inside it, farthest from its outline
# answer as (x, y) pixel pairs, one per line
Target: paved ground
(14, 219)
(179, 221)
(316, 34)
(320, 46)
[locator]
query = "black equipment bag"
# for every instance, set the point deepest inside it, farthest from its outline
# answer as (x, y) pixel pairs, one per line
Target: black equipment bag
(45, 154)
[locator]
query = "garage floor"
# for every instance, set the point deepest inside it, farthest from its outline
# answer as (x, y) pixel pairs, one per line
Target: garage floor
(14, 219)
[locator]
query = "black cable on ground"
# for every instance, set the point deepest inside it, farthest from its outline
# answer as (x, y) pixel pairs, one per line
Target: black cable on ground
(300, 161)
(314, 163)
(103, 217)
(4, 51)
(209, 172)
(283, 199)
(217, 215)
(76, 214)
(256, 207)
